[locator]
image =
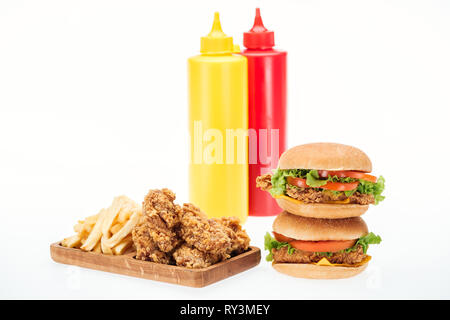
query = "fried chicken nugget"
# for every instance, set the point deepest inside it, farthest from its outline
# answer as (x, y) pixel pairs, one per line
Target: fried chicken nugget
(161, 201)
(203, 234)
(240, 240)
(165, 238)
(162, 218)
(190, 257)
(169, 234)
(146, 248)
(155, 237)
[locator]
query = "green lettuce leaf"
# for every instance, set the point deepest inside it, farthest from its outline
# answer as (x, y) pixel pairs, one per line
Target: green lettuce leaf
(278, 182)
(364, 242)
(338, 179)
(313, 179)
(326, 254)
(271, 243)
(370, 238)
(349, 193)
(279, 179)
(376, 188)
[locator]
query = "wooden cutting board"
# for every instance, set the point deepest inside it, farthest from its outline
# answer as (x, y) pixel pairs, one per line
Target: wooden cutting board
(127, 265)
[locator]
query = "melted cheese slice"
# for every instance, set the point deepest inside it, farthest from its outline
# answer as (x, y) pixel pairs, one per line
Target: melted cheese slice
(324, 262)
(346, 201)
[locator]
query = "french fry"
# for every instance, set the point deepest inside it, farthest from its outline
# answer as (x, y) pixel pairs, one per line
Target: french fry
(71, 242)
(125, 213)
(83, 235)
(116, 228)
(109, 231)
(110, 216)
(78, 227)
(105, 249)
(83, 229)
(97, 248)
(122, 233)
(92, 219)
(89, 227)
(95, 234)
(123, 245)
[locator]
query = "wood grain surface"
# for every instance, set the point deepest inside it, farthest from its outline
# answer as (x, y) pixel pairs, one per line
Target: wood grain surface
(127, 265)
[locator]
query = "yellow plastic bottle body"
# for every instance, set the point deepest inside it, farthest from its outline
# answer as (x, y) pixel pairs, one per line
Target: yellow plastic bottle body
(218, 119)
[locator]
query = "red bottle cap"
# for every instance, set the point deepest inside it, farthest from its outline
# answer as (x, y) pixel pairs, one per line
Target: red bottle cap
(258, 37)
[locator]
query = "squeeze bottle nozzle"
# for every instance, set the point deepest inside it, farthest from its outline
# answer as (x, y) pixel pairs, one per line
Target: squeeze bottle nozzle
(216, 42)
(259, 37)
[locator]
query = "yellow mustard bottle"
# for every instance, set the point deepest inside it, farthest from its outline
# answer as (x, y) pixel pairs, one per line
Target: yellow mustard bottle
(218, 126)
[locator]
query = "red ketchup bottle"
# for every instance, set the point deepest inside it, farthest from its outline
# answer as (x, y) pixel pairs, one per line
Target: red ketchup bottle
(266, 111)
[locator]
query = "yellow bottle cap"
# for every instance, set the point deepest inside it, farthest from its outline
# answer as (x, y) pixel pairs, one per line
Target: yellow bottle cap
(216, 42)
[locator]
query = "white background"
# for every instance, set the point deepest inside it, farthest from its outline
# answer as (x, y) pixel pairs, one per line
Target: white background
(93, 104)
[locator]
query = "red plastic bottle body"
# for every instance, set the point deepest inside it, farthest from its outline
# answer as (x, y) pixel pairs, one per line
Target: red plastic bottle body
(267, 121)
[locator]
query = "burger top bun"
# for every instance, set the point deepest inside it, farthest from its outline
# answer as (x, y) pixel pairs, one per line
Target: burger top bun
(313, 229)
(325, 156)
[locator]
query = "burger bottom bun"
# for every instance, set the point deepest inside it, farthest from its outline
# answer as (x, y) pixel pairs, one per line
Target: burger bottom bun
(312, 271)
(323, 210)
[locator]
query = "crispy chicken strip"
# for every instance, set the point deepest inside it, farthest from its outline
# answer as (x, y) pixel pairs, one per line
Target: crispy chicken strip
(161, 201)
(169, 234)
(264, 182)
(165, 238)
(240, 240)
(162, 218)
(203, 234)
(190, 257)
(146, 248)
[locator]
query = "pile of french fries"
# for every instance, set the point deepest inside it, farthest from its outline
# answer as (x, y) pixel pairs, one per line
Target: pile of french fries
(109, 231)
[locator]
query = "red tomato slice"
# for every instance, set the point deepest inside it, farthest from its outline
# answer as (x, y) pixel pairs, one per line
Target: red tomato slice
(299, 182)
(368, 177)
(326, 173)
(281, 238)
(322, 246)
(349, 174)
(337, 186)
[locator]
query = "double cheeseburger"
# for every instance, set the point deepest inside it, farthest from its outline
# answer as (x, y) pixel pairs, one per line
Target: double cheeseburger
(319, 248)
(324, 180)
